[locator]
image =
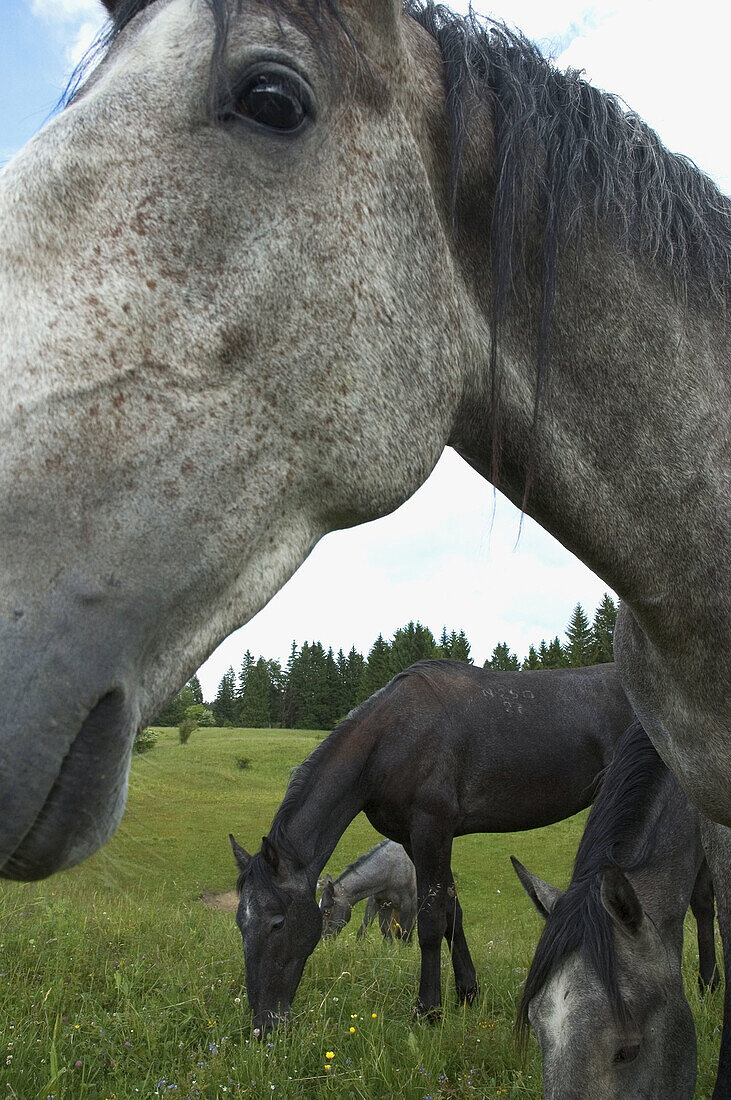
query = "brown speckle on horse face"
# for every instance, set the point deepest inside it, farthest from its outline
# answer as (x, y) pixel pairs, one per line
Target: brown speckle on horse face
(354, 258)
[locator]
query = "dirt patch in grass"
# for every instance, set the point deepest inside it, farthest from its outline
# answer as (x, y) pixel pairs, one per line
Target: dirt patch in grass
(227, 901)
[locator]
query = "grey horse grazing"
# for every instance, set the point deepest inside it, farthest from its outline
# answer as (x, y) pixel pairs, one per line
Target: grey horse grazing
(386, 876)
(473, 220)
(443, 750)
(604, 993)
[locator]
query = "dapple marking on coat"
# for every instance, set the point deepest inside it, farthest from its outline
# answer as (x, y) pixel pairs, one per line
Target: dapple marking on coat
(334, 241)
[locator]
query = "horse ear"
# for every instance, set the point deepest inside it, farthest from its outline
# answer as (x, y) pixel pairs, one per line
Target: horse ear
(328, 893)
(242, 857)
(620, 900)
(542, 894)
(270, 855)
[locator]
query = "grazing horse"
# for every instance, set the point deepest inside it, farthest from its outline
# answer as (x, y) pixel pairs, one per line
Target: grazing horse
(268, 261)
(604, 993)
(443, 750)
(387, 878)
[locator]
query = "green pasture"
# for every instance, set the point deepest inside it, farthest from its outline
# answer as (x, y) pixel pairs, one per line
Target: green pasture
(117, 982)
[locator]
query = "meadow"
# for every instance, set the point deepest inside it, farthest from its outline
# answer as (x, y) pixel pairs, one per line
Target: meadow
(117, 982)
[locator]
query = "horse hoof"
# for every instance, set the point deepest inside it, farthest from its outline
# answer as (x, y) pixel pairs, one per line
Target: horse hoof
(468, 996)
(430, 1015)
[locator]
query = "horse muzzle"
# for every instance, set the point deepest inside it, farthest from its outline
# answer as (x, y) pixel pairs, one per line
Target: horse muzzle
(63, 766)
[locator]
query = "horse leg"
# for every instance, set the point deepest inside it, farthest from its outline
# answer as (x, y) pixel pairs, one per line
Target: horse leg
(386, 920)
(370, 911)
(717, 845)
(465, 976)
(431, 855)
(701, 904)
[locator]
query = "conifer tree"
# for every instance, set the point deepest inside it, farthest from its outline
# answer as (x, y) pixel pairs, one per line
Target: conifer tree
(459, 647)
(411, 643)
(195, 689)
(224, 705)
(247, 663)
(377, 668)
(533, 660)
(256, 700)
(543, 656)
(556, 655)
(444, 649)
(579, 650)
(605, 619)
(503, 659)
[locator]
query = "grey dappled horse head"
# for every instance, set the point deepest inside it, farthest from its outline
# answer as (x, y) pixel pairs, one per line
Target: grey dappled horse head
(386, 876)
(268, 261)
(280, 925)
(604, 994)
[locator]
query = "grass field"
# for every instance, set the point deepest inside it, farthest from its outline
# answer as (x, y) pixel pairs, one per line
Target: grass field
(115, 981)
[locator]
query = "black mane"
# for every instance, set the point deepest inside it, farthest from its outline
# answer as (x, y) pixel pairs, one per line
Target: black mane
(579, 921)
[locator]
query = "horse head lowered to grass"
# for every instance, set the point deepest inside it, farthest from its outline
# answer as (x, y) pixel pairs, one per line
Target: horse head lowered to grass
(268, 261)
(604, 993)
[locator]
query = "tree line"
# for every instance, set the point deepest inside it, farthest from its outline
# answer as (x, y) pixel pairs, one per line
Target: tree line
(318, 687)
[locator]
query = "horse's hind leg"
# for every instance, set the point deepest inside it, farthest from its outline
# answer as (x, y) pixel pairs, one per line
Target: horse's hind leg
(370, 912)
(386, 920)
(465, 976)
(701, 903)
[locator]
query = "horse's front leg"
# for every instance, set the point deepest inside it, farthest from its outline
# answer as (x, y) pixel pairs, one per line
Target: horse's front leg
(431, 852)
(701, 904)
(717, 845)
(465, 976)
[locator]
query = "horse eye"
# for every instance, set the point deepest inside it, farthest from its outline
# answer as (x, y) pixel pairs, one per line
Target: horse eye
(277, 924)
(626, 1054)
(275, 101)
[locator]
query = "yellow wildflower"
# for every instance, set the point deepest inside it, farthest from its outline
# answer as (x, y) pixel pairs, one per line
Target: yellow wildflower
(352, 1031)
(329, 1053)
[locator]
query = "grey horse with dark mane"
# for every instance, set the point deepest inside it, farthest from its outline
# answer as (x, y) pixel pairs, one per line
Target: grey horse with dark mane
(335, 237)
(443, 750)
(386, 877)
(604, 993)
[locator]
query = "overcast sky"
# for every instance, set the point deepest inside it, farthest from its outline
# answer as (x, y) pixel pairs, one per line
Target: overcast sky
(438, 558)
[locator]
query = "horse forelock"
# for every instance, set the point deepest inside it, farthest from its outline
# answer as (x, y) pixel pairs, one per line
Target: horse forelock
(618, 821)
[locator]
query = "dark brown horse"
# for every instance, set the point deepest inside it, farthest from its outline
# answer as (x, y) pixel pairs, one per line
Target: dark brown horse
(443, 750)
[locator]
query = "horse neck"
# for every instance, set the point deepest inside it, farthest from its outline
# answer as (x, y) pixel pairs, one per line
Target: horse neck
(315, 815)
(664, 883)
(626, 352)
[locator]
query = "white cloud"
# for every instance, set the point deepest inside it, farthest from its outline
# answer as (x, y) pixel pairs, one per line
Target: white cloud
(77, 23)
(68, 11)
